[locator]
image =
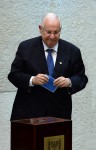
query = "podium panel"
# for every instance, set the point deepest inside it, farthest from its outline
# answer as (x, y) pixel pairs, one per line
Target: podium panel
(45, 133)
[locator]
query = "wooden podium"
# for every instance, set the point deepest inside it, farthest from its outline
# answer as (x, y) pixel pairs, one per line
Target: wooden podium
(45, 133)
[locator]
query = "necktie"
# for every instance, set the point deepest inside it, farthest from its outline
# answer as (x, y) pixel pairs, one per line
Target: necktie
(50, 62)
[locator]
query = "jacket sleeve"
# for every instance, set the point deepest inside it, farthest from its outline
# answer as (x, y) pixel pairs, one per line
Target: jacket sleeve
(78, 78)
(17, 76)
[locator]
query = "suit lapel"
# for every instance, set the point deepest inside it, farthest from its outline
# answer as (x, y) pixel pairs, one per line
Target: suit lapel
(41, 58)
(59, 65)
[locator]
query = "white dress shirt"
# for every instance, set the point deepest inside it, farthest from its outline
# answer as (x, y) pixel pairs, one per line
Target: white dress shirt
(54, 52)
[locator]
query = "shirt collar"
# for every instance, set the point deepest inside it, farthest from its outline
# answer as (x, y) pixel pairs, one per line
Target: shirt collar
(55, 48)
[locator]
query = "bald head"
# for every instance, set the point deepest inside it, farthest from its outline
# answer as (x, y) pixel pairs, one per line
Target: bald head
(51, 18)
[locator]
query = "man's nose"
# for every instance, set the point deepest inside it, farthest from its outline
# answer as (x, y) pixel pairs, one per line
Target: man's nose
(52, 35)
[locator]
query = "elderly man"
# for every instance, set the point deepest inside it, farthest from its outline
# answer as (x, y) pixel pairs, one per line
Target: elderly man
(30, 70)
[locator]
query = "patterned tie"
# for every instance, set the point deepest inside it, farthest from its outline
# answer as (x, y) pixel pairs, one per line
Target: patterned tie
(50, 62)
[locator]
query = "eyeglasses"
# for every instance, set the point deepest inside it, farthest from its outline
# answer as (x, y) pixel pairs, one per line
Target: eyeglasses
(56, 33)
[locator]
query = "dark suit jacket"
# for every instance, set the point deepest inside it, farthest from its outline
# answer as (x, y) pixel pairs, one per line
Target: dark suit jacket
(36, 101)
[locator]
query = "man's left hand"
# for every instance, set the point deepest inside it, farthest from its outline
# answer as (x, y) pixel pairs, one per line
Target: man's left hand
(62, 82)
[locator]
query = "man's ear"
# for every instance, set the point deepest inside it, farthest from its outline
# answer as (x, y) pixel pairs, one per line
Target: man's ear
(40, 28)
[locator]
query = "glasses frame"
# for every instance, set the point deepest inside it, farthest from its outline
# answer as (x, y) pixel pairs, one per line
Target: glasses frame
(56, 33)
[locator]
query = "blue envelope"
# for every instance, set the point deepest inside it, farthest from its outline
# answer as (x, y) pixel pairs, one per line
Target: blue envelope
(49, 85)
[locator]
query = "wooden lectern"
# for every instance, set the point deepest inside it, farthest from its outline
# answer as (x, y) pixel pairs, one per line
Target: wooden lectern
(45, 133)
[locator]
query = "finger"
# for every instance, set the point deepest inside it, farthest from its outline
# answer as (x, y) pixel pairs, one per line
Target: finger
(42, 80)
(42, 76)
(58, 81)
(38, 80)
(59, 84)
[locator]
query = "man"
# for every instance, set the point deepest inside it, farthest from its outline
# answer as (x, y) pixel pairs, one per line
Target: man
(29, 71)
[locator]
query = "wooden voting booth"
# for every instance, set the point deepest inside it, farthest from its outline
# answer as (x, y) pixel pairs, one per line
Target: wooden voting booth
(46, 133)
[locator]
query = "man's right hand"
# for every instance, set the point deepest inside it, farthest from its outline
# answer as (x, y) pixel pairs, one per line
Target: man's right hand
(39, 79)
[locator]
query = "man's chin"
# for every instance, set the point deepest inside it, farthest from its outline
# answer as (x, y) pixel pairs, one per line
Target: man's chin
(50, 45)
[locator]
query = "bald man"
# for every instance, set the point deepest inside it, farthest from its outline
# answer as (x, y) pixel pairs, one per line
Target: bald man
(29, 72)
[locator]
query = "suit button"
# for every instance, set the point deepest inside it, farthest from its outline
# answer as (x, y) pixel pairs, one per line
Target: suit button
(29, 91)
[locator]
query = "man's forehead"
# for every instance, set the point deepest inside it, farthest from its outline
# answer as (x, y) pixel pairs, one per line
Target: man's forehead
(52, 27)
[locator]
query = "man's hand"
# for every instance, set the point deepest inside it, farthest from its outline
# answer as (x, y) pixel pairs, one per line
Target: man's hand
(62, 82)
(39, 79)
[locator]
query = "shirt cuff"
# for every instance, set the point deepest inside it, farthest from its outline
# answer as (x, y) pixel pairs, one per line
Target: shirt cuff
(30, 81)
(70, 83)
